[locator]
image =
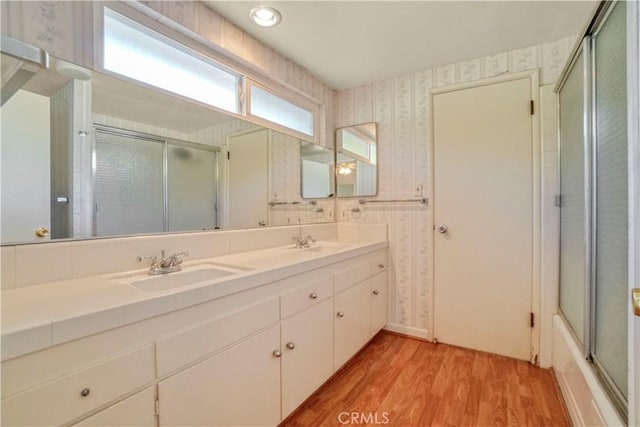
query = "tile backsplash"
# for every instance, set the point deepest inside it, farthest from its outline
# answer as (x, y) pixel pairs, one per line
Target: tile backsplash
(31, 264)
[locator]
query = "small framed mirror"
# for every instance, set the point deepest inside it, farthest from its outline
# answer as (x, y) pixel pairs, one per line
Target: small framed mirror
(357, 160)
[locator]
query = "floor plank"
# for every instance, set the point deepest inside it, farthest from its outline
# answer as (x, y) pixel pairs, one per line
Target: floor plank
(403, 382)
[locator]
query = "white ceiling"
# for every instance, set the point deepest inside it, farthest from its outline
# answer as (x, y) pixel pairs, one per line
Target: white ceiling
(350, 43)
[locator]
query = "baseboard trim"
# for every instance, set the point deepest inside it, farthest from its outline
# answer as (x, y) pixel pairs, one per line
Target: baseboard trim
(408, 331)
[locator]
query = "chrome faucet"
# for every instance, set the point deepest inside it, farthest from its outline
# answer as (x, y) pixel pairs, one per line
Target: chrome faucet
(305, 243)
(166, 265)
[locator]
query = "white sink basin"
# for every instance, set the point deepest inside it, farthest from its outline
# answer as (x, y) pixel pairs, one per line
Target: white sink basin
(188, 276)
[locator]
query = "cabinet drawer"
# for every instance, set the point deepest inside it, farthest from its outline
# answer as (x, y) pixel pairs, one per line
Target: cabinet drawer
(305, 296)
(188, 346)
(137, 410)
(379, 262)
(350, 276)
(73, 395)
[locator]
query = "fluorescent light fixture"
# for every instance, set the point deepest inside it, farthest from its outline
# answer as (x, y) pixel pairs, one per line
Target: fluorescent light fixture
(265, 16)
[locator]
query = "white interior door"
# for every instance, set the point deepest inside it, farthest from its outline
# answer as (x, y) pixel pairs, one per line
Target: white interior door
(26, 187)
(483, 177)
(248, 172)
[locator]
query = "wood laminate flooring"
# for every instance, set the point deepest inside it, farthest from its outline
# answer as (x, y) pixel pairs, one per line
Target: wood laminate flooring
(404, 382)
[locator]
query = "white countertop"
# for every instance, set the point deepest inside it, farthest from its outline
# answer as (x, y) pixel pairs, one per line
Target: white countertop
(40, 316)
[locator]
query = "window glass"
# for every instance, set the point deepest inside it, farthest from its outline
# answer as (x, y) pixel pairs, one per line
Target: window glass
(271, 107)
(134, 51)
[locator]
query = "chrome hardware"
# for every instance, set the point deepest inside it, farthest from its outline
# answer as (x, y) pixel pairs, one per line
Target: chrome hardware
(262, 223)
(422, 200)
(277, 353)
(85, 392)
(443, 229)
(376, 292)
(635, 301)
(313, 295)
(380, 265)
(42, 232)
(340, 314)
(291, 345)
(305, 243)
(166, 265)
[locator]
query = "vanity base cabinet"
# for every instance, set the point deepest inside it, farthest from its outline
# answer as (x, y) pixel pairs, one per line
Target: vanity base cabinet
(240, 386)
(307, 365)
(352, 311)
(137, 410)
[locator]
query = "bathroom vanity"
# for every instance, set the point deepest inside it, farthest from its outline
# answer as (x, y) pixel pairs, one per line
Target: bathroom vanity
(188, 348)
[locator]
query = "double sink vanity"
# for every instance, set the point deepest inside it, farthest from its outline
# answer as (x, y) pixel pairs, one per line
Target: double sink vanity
(241, 338)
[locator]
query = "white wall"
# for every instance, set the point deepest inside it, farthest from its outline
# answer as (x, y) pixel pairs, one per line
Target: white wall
(400, 106)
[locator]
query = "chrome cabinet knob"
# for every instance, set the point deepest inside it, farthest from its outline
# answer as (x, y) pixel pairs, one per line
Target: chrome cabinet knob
(340, 314)
(291, 345)
(376, 292)
(85, 392)
(313, 295)
(443, 229)
(277, 353)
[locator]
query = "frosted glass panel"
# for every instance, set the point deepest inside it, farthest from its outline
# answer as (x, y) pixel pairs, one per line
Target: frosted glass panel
(192, 188)
(128, 187)
(275, 109)
(611, 280)
(141, 54)
(572, 188)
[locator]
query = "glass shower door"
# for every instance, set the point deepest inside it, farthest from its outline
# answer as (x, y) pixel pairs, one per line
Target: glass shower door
(574, 224)
(129, 193)
(611, 207)
(192, 189)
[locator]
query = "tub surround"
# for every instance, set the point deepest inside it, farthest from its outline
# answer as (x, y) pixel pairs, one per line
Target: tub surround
(58, 292)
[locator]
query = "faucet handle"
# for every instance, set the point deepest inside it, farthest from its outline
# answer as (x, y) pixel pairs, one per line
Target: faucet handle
(310, 237)
(178, 257)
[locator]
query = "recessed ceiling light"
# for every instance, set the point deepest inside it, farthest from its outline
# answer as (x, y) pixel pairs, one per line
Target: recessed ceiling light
(265, 16)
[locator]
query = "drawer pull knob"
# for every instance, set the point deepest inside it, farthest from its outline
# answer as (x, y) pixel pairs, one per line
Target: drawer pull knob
(313, 295)
(340, 314)
(376, 292)
(380, 265)
(291, 345)
(85, 392)
(277, 353)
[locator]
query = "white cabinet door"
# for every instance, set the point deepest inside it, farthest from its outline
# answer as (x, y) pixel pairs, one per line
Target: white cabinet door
(137, 410)
(240, 386)
(307, 354)
(378, 302)
(352, 309)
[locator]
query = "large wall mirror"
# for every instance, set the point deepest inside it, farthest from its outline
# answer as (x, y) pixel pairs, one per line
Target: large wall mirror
(85, 154)
(357, 161)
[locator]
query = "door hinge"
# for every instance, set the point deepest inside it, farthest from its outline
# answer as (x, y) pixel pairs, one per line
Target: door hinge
(228, 155)
(558, 200)
(532, 321)
(157, 406)
(531, 106)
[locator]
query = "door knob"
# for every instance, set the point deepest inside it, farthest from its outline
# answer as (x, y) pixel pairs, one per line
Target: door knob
(443, 229)
(313, 295)
(42, 232)
(291, 345)
(340, 314)
(277, 353)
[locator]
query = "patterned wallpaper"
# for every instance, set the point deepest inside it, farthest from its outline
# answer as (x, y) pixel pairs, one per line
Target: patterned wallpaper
(400, 106)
